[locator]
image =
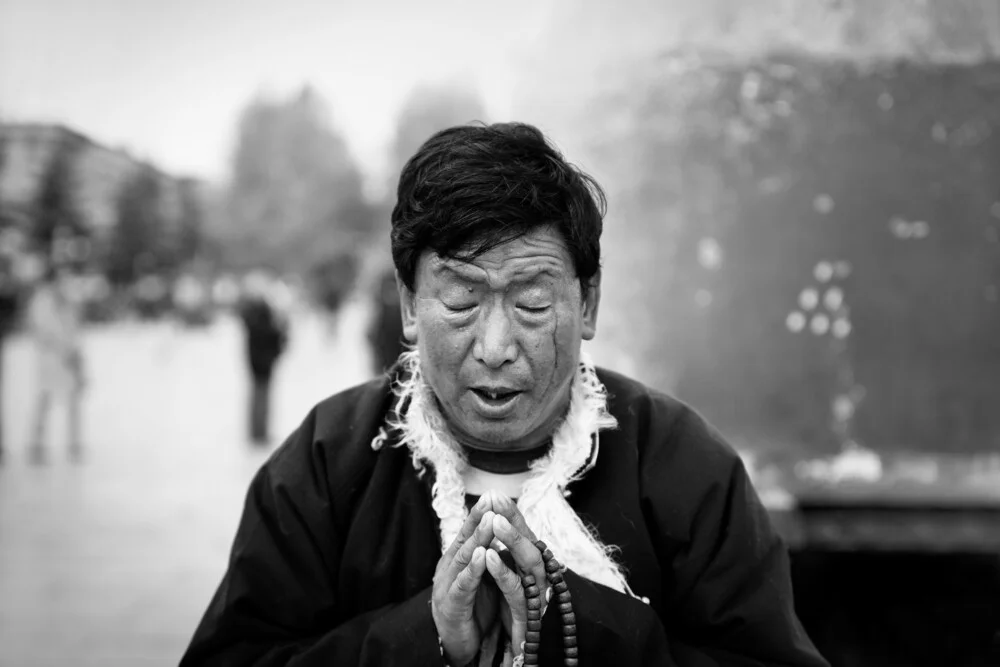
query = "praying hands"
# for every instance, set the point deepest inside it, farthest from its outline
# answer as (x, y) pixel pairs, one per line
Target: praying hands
(465, 604)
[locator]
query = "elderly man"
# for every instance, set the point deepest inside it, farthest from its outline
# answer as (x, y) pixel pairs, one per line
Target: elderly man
(498, 499)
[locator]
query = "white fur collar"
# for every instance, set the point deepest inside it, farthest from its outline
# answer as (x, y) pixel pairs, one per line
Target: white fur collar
(416, 422)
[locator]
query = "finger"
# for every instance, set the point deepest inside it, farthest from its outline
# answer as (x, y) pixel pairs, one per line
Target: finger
(482, 536)
(469, 526)
(522, 548)
(515, 614)
(509, 584)
(463, 591)
(506, 507)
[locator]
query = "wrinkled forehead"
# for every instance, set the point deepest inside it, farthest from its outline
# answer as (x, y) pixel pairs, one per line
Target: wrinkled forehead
(539, 254)
(512, 272)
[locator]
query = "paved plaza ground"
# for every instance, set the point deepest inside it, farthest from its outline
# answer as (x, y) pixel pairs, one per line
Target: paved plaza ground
(112, 561)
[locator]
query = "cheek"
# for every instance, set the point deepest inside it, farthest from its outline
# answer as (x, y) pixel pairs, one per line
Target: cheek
(441, 344)
(551, 344)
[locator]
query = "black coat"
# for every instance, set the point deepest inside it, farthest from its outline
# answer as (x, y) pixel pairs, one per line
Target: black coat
(335, 553)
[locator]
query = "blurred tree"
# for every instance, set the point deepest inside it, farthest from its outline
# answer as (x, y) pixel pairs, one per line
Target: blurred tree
(427, 110)
(133, 247)
(292, 172)
(8, 294)
(55, 210)
(190, 243)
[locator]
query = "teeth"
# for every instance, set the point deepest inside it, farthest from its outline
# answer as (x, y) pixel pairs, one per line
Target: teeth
(493, 395)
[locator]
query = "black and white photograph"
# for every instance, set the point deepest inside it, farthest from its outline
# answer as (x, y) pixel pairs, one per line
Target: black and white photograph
(388, 333)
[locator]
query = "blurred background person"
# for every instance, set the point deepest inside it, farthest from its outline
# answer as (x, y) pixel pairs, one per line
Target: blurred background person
(385, 330)
(9, 299)
(53, 323)
(266, 329)
(333, 280)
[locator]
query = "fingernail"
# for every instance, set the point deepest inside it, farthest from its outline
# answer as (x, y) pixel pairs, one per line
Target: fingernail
(503, 522)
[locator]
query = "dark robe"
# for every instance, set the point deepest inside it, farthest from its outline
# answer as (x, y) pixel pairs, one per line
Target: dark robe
(335, 554)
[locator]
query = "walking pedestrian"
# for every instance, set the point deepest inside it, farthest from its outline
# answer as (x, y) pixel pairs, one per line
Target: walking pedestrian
(8, 315)
(385, 332)
(266, 338)
(53, 323)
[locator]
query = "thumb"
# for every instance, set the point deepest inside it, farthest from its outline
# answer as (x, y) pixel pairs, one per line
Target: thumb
(467, 582)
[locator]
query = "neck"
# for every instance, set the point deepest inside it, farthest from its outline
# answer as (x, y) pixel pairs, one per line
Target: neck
(505, 462)
(531, 441)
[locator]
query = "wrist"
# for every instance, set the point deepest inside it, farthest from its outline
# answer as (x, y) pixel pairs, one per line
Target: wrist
(452, 656)
(450, 661)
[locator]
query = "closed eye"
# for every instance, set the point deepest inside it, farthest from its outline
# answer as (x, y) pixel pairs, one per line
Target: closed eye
(534, 309)
(459, 309)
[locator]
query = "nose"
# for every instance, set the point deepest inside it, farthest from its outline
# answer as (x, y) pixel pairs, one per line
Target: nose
(495, 344)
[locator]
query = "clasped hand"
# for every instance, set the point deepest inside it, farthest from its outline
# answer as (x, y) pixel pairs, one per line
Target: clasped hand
(466, 603)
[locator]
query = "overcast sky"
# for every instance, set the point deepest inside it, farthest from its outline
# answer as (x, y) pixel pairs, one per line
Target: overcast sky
(167, 79)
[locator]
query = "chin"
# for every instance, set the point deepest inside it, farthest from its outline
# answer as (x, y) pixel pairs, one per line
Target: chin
(496, 436)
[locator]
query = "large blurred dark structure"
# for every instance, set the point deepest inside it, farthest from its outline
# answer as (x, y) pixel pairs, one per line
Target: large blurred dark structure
(838, 259)
(804, 209)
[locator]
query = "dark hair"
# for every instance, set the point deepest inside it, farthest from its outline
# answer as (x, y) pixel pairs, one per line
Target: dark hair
(471, 188)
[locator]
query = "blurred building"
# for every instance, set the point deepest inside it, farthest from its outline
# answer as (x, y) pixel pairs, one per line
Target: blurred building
(98, 175)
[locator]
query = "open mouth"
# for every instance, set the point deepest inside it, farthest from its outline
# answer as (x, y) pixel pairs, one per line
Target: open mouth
(495, 402)
(495, 396)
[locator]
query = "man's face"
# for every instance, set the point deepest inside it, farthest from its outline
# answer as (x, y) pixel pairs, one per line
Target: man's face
(499, 337)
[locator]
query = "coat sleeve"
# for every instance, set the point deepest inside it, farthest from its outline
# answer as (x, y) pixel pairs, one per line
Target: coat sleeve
(611, 629)
(728, 586)
(277, 603)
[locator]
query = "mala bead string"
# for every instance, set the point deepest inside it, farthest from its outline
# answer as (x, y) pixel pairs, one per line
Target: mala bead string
(532, 597)
(564, 601)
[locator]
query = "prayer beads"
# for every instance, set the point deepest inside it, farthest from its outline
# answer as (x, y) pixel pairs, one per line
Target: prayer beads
(532, 595)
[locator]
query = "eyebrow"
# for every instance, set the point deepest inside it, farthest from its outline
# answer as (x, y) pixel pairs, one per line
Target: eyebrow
(523, 276)
(465, 276)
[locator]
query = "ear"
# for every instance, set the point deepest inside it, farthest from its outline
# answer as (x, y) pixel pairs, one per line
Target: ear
(408, 310)
(591, 303)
